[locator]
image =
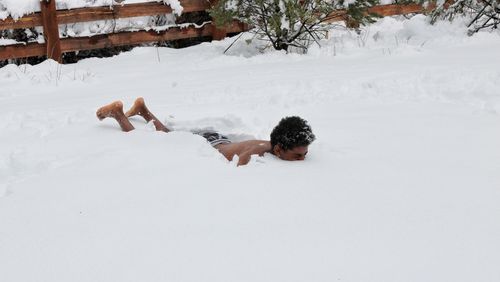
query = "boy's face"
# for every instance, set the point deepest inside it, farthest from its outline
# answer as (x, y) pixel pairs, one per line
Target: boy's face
(296, 154)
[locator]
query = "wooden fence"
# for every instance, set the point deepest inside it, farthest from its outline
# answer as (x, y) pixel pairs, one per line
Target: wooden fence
(50, 18)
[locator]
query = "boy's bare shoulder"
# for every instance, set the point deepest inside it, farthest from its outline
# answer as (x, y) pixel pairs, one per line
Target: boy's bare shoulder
(260, 143)
(258, 146)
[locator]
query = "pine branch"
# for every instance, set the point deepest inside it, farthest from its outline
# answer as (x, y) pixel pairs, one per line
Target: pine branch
(479, 14)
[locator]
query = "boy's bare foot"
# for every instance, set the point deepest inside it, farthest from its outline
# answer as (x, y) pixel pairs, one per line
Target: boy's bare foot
(115, 110)
(112, 110)
(139, 108)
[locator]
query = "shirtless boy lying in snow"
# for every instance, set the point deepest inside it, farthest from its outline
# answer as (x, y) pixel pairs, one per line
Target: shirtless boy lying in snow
(289, 139)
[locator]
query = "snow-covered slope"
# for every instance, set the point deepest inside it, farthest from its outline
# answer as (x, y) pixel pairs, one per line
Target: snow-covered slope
(402, 184)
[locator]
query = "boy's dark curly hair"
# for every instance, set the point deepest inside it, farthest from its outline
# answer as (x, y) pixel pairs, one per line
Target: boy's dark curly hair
(292, 132)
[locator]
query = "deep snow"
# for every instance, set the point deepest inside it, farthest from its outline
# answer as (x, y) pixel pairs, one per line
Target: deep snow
(402, 184)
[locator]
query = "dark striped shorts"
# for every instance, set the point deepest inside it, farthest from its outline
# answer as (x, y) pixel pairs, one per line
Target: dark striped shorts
(214, 138)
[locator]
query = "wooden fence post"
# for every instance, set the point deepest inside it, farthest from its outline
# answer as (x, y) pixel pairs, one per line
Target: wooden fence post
(218, 33)
(51, 29)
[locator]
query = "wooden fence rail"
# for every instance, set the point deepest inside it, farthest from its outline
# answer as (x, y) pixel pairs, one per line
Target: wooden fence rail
(104, 13)
(53, 47)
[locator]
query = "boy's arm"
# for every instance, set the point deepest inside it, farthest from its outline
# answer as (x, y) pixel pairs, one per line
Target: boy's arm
(244, 158)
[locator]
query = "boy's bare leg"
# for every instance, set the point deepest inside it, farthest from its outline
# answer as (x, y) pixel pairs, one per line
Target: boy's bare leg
(139, 108)
(115, 110)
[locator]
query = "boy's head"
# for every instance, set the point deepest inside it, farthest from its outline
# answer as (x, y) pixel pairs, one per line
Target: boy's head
(290, 138)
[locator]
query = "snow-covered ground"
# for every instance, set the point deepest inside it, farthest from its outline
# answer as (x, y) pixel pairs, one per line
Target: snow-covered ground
(402, 184)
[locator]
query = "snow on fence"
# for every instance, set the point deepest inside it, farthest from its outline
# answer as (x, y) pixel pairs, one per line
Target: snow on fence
(50, 18)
